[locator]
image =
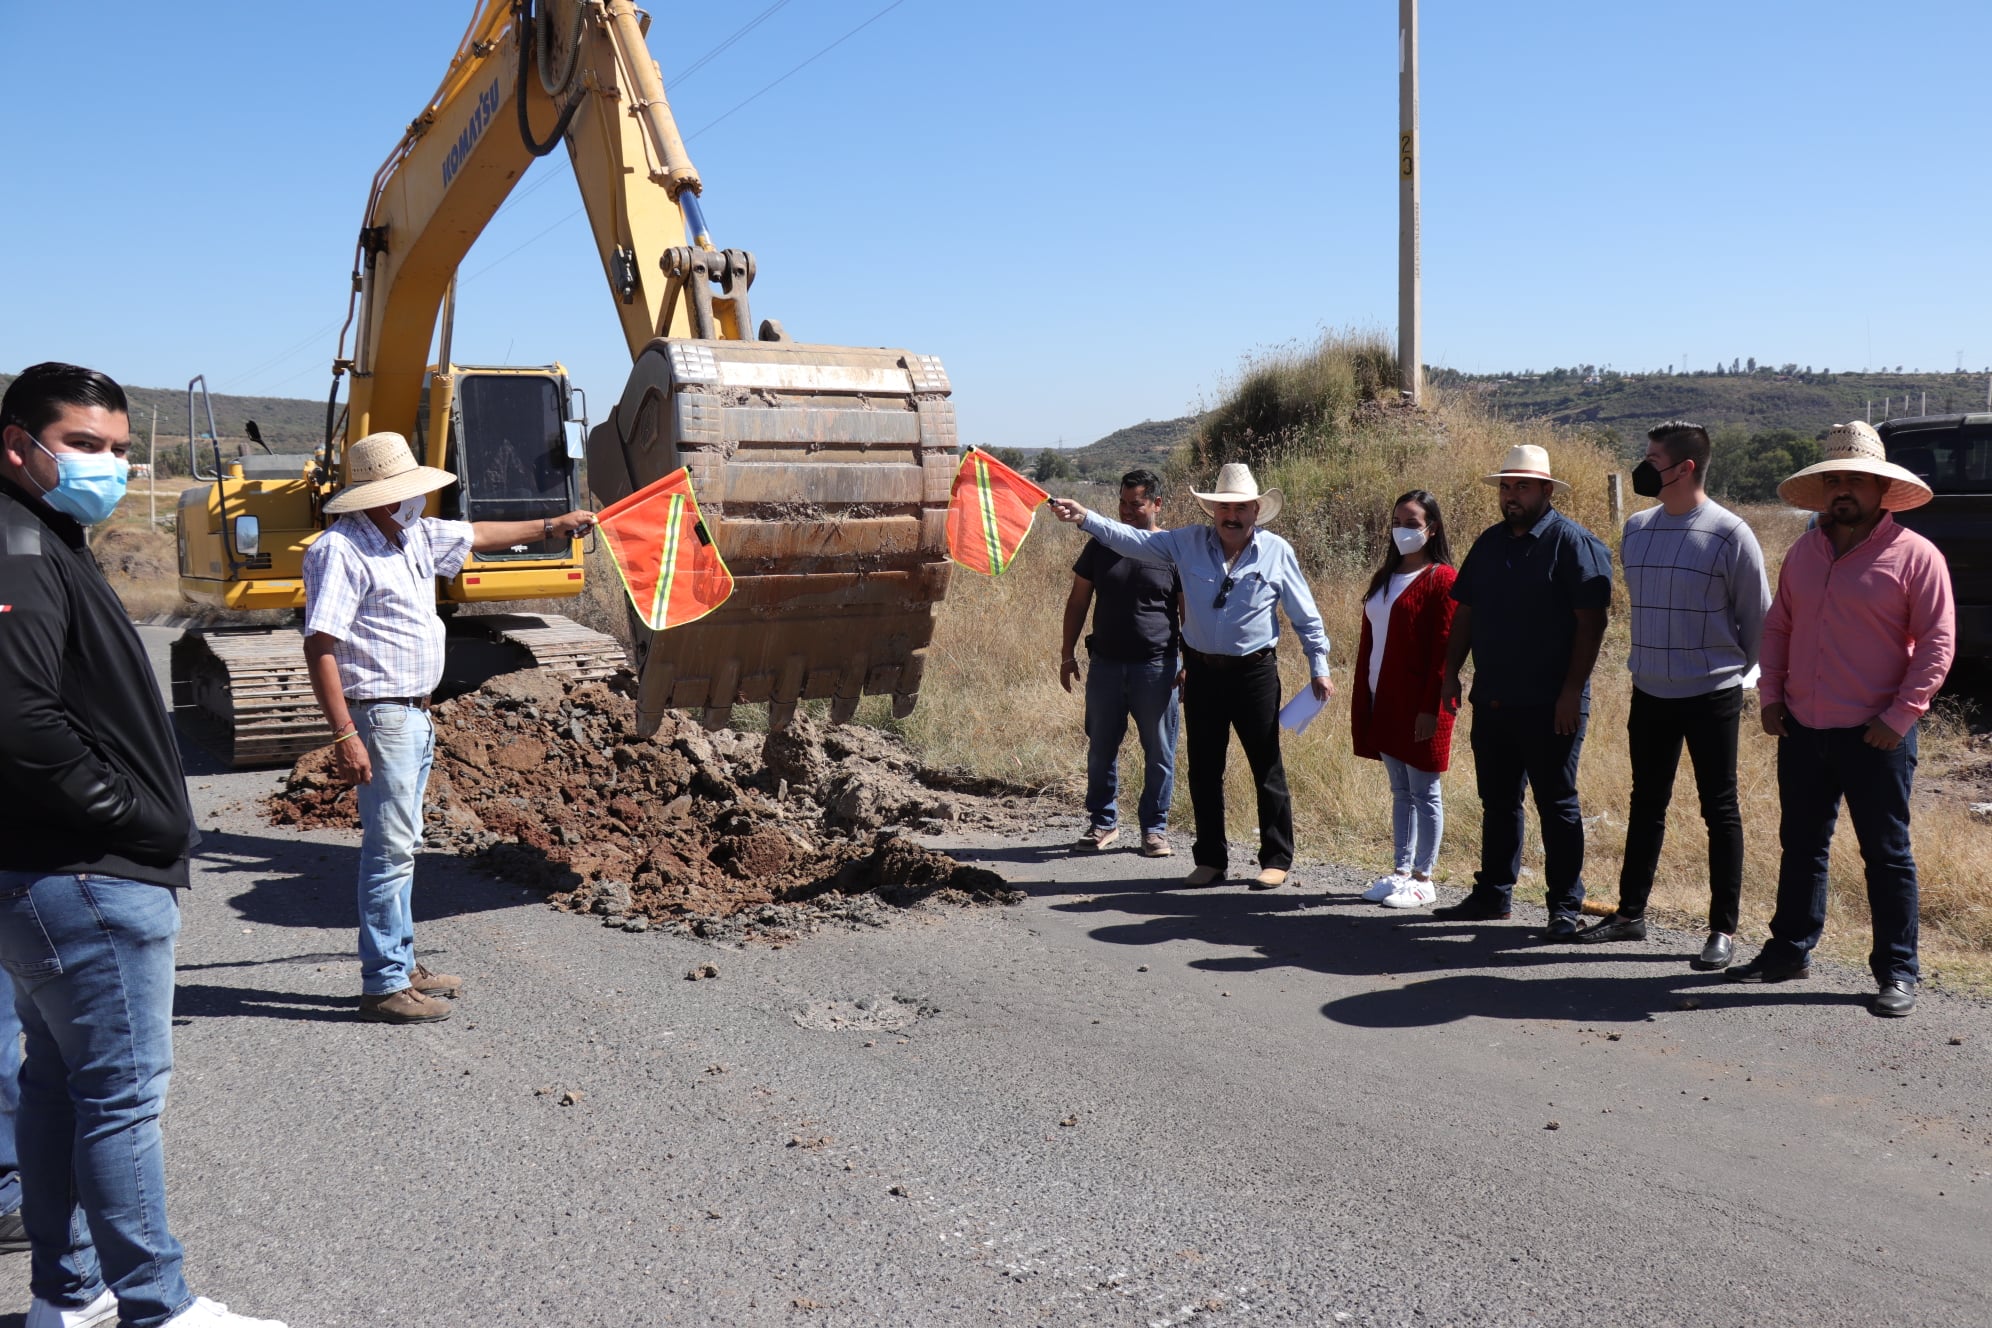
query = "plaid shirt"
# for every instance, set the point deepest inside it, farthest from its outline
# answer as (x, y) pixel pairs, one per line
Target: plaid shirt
(379, 602)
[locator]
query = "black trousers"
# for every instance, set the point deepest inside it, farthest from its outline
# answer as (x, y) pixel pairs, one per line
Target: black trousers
(1220, 695)
(1517, 750)
(1656, 729)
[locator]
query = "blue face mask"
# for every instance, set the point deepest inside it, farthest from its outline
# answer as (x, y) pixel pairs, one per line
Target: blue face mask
(88, 485)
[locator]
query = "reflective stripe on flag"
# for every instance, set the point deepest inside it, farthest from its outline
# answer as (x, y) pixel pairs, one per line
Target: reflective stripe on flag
(990, 510)
(665, 555)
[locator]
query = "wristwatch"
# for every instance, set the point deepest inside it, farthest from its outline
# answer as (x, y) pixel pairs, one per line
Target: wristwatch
(548, 523)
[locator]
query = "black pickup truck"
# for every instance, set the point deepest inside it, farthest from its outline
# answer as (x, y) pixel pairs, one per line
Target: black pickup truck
(1953, 454)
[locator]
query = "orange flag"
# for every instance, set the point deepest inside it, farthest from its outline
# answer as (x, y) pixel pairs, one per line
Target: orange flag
(989, 513)
(664, 553)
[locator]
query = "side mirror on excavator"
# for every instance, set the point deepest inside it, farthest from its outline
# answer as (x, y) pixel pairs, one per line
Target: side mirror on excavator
(256, 436)
(577, 440)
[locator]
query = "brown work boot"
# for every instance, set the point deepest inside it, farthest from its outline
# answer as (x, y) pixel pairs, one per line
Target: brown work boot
(407, 1006)
(435, 984)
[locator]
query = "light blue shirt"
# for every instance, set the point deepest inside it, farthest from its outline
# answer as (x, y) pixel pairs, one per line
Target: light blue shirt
(1265, 578)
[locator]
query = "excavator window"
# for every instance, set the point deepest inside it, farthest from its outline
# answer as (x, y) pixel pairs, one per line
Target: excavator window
(509, 452)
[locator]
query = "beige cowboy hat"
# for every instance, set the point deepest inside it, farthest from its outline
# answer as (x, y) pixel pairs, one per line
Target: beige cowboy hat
(1855, 447)
(1235, 485)
(381, 470)
(1525, 461)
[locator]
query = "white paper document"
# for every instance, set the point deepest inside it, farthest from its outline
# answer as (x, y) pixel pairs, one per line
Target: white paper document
(1298, 713)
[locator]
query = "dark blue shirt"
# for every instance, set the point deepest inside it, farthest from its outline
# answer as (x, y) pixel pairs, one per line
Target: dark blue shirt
(1134, 605)
(1524, 591)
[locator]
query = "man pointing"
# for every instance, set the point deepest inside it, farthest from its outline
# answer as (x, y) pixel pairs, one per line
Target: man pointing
(1236, 577)
(374, 647)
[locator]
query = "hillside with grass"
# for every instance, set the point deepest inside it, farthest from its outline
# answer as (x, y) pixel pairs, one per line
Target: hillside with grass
(289, 424)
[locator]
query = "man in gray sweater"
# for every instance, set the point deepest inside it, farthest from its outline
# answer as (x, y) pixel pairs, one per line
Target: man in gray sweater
(1699, 596)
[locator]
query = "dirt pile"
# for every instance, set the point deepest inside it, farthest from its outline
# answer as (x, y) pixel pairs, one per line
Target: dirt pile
(545, 782)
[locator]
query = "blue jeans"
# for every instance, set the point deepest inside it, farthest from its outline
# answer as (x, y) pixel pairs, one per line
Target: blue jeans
(1816, 768)
(401, 743)
(1146, 690)
(91, 958)
(1516, 750)
(10, 1103)
(1417, 816)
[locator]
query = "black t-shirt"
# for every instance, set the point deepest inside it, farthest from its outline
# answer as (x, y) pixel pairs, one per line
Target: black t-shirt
(1134, 606)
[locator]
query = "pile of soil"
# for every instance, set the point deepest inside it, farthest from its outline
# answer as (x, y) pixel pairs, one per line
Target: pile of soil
(543, 781)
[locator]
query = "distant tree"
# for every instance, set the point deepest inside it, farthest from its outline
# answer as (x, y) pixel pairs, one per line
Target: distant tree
(1013, 457)
(1751, 367)
(1748, 467)
(1053, 465)
(1736, 366)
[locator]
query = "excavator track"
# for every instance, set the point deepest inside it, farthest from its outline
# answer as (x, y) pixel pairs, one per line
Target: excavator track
(553, 642)
(246, 697)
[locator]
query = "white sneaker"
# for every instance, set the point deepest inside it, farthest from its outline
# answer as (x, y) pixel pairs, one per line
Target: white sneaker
(205, 1313)
(1385, 886)
(101, 1311)
(1413, 893)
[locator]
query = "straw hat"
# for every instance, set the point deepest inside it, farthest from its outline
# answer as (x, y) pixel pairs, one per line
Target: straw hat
(1525, 461)
(381, 470)
(1855, 447)
(1236, 485)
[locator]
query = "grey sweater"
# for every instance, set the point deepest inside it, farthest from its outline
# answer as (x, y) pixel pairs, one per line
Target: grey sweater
(1699, 597)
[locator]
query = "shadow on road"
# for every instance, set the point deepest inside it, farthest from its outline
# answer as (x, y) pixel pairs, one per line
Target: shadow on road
(1293, 930)
(307, 883)
(199, 1000)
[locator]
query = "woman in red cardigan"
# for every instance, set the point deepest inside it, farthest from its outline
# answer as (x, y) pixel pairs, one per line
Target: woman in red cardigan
(1407, 615)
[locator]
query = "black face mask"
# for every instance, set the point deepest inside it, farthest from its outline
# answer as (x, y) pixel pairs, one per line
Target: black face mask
(1646, 481)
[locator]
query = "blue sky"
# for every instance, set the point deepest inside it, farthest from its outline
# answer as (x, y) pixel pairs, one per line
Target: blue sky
(1094, 212)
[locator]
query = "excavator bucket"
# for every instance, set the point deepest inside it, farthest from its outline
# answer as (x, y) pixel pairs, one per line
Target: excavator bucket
(823, 473)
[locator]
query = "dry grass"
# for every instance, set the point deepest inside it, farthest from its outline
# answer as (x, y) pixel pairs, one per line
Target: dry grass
(991, 699)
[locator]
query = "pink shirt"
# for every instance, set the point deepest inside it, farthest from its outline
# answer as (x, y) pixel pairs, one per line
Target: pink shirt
(1868, 634)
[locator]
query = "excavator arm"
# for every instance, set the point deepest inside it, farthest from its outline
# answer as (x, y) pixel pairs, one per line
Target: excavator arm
(574, 71)
(823, 471)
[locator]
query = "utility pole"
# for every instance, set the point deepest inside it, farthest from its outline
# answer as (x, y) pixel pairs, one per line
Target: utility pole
(152, 473)
(1410, 344)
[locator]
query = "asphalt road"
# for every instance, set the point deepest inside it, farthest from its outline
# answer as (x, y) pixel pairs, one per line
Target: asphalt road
(1113, 1104)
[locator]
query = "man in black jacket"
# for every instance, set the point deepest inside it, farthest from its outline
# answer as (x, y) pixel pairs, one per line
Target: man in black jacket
(95, 832)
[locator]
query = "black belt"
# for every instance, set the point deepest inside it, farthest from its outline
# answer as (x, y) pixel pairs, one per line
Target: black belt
(418, 702)
(1228, 661)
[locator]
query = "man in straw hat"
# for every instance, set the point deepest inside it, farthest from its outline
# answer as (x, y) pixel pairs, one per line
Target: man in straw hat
(1235, 577)
(374, 645)
(1859, 638)
(1532, 598)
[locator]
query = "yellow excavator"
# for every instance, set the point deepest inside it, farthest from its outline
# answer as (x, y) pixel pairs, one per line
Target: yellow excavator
(823, 471)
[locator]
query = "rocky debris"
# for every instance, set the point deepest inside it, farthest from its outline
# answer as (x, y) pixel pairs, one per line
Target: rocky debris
(543, 781)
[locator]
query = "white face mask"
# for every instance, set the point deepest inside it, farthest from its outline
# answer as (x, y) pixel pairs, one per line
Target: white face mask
(410, 510)
(1407, 541)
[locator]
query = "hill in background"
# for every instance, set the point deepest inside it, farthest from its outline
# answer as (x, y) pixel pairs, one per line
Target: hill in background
(1767, 399)
(288, 424)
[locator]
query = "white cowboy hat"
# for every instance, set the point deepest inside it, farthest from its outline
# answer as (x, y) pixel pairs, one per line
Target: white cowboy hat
(381, 470)
(1525, 461)
(1855, 447)
(1235, 485)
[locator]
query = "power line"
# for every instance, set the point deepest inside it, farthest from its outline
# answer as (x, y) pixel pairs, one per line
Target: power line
(564, 219)
(279, 357)
(799, 68)
(720, 49)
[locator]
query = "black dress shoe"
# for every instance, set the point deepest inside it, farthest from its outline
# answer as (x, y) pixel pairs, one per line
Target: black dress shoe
(1894, 1000)
(1562, 927)
(1473, 908)
(1720, 952)
(1613, 928)
(1758, 970)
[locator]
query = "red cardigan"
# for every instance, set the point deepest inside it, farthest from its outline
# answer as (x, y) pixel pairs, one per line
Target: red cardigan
(1414, 664)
